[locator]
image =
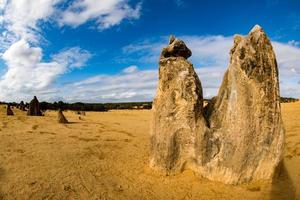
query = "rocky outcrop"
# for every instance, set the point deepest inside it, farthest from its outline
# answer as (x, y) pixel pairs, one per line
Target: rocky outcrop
(238, 137)
(61, 118)
(9, 111)
(34, 108)
(177, 111)
(245, 116)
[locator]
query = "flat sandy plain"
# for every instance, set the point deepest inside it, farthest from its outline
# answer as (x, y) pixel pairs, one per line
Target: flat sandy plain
(105, 156)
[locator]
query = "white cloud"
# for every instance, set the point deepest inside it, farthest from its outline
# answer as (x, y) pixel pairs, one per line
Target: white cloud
(130, 69)
(210, 78)
(21, 23)
(106, 13)
(2, 3)
(146, 51)
(288, 58)
(207, 50)
(72, 58)
(27, 73)
(294, 43)
(21, 17)
(138, 85)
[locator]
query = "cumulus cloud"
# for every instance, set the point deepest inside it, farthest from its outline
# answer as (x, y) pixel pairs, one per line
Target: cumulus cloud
(21, 23)
(288, 58)
(21, 18)
(209, 50)
(106, 13)
(27, 73)
(72, 57)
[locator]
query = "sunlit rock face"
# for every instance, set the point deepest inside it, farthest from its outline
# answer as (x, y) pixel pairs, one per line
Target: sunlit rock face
(245, 117)
(238, 137)
(177, 110)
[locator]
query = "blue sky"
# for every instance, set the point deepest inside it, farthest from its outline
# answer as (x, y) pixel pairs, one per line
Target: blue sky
(107, 50)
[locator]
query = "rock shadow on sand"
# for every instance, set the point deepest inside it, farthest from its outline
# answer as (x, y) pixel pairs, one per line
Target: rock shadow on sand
(282, 185)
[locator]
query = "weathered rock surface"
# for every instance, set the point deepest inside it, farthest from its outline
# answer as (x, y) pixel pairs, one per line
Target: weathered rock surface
(243, 138)
(177, 112)
(61, 118)
(9, 111)
(245, 117)
(34, 108)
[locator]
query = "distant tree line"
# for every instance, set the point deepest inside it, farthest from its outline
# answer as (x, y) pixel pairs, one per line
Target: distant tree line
(287, 99)
(79, 106)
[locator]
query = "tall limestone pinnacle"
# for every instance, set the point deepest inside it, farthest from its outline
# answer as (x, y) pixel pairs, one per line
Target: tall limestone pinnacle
(177, 110)
(238, 137)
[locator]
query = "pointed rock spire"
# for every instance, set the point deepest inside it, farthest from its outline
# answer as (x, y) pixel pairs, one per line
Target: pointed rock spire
(61, 118)
(34, 108)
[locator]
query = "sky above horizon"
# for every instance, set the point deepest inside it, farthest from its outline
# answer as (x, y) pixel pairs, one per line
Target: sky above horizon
(108, 50)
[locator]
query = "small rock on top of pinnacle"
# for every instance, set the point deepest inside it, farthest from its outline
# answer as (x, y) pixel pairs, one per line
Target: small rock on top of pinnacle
(176, 48)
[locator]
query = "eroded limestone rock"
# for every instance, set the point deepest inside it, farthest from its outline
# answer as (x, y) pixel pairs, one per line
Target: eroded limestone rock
(177, 111)
(61, 118)
(9, 111)
(239, 136)
(245, 117)
(34, 108)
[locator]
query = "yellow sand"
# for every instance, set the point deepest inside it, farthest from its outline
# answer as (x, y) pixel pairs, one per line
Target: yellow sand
(105, 156)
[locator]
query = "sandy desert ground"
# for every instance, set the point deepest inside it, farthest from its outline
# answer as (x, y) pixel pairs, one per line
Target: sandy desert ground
(105, 156)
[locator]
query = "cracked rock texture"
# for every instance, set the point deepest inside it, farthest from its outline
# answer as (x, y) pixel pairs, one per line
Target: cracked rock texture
(177, 111)
(238, 137)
